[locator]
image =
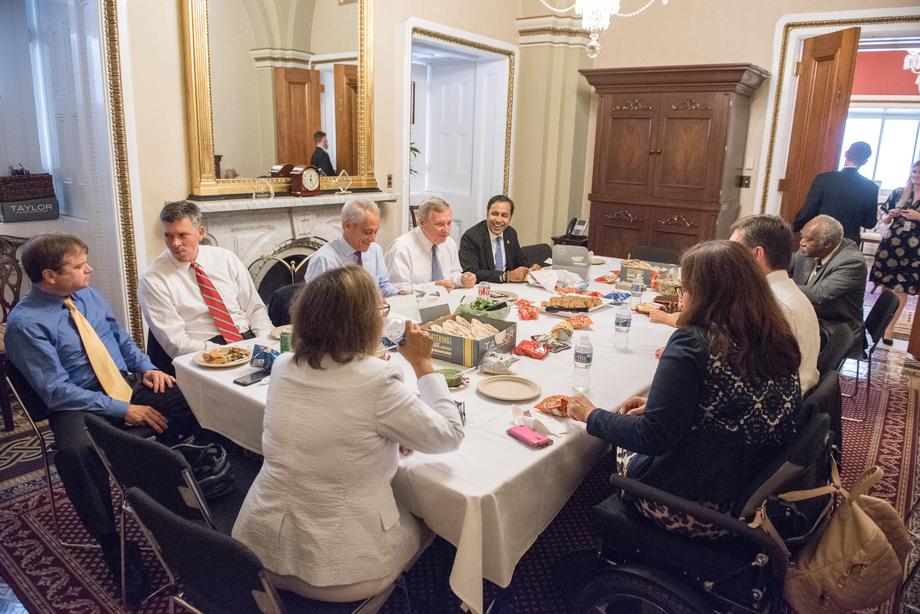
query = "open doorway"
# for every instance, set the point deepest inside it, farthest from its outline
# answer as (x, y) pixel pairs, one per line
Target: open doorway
(459, 119)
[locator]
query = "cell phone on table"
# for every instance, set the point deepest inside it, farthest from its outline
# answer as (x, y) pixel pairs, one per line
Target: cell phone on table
(252, 378)
(529, 437)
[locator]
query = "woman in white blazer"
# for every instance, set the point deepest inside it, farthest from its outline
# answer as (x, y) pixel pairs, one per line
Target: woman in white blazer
(321, 514)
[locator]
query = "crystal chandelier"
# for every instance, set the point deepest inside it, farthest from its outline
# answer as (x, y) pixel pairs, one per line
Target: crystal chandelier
(595, 17)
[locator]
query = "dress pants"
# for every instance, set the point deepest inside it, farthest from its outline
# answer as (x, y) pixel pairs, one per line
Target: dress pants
(82, 472)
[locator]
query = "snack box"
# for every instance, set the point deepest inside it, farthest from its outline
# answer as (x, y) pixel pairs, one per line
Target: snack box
(628, 273)
(469, 352)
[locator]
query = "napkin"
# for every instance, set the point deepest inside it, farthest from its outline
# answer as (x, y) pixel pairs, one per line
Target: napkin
(545, 425)
(544, 277)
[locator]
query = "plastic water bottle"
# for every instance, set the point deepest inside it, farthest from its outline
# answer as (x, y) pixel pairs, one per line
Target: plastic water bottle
(584, 355)
(394, 329)
(622, 321)
(636, 290)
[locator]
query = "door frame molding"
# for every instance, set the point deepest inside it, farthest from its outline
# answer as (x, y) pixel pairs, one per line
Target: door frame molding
(420, 28)
(789, 37)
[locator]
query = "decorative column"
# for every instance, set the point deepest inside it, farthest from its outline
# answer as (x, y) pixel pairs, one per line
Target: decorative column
(552, 118)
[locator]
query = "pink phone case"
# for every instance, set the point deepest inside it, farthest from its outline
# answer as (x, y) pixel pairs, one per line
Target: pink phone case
(529, 436)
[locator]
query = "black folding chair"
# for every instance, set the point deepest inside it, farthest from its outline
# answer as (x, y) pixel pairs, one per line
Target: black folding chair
(36, 411)
(877, 321)
(279, 307)
(655, 254)
(538, 253)
(219, 574)
(834, 351)
(161, 472)
(825, 399)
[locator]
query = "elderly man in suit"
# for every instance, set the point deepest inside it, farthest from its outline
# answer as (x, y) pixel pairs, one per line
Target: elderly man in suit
(831, 271)
(490, 249)
(845, 195)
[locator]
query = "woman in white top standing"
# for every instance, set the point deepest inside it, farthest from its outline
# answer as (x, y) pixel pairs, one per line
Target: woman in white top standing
(321, 514)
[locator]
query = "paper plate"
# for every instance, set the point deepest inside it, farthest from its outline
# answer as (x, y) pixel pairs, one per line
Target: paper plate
(506, 295)
(276, 332)
(240, 361)
(597, 260)
(569, 314)
(509, 388)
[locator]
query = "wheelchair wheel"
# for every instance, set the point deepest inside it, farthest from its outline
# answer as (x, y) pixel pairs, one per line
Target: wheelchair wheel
(619, 592)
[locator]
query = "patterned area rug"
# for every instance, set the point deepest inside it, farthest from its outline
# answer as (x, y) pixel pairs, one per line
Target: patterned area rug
(48, 578)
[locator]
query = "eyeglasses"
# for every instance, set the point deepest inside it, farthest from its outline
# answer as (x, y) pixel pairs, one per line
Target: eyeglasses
(384, 309)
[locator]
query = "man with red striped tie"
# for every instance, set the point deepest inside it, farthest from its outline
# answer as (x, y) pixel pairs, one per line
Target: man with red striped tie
(196, 297)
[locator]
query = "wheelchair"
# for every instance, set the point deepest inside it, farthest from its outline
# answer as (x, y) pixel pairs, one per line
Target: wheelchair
(639, 567)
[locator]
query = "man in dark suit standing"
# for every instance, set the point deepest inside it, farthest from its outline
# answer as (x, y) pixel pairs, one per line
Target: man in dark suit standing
(845, 195)
(320, 158)
(831, 271)
(490, 249)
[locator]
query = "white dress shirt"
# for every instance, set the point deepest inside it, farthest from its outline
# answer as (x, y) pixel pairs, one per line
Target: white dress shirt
(409, 259)
(177, 315)
(802, 320)
(322, 507)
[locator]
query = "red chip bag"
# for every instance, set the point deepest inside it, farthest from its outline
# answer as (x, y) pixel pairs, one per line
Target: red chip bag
(533, 349)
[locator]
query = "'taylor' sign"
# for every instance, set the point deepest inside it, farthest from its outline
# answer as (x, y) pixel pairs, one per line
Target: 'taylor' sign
(30, 210)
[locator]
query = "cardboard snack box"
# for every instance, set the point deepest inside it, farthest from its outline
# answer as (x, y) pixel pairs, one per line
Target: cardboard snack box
(469, 352)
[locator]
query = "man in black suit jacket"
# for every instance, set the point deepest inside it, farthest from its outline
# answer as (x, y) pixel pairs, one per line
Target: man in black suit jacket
(493, 240)
(831, 271)
(845, 195)
(320, 158)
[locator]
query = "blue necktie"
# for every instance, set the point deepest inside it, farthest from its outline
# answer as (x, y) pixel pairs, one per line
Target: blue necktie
(499, 255)
(436, 273)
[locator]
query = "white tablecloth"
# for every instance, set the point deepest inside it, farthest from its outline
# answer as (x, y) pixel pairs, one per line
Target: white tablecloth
(493, 496)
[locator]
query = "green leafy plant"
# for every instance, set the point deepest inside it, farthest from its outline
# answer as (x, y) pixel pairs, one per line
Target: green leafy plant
(413, 152)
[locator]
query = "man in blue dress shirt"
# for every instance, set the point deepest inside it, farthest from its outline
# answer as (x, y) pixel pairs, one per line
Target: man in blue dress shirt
(360, 224)
(65, 340)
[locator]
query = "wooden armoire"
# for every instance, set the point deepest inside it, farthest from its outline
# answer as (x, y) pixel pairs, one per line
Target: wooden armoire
(668, 154)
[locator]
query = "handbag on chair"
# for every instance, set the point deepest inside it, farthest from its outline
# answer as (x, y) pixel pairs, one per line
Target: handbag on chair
(857, 561)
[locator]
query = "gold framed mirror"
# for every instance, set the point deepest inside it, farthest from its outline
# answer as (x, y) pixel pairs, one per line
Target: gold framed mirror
(269, 54)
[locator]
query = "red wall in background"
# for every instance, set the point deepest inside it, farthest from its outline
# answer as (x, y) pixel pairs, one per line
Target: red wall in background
(882, 72)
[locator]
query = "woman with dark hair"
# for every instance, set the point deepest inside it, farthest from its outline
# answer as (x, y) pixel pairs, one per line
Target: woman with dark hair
(321, 514)
(897, 259)
(723, 399)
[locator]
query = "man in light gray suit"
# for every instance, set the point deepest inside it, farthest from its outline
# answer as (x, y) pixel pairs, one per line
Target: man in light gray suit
(831, 271)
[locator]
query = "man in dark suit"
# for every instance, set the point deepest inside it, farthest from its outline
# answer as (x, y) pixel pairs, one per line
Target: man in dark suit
(831, 271)
(490, 249)
(320, 158)
(845, 195)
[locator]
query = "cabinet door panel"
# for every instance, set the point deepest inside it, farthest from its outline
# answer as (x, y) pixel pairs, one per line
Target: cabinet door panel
(678, 229)
(617, 228)
(688, 154)
(625, 165)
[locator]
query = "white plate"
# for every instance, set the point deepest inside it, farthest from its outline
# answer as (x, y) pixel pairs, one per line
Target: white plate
(509, 388)
(241, 361)
(598, 260)
(503, 295)
(276, 332)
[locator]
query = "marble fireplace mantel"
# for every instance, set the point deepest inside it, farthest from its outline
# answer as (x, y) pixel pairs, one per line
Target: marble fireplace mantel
(257, 227)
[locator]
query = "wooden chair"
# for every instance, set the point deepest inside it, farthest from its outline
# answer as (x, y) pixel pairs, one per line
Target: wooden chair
(10, 289)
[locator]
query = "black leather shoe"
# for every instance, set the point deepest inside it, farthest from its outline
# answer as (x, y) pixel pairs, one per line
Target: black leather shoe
(888, 341)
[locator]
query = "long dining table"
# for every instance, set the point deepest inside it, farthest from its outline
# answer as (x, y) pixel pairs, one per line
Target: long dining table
(493, 496)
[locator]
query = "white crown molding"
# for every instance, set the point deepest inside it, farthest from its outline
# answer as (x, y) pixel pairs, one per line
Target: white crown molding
(268, 57)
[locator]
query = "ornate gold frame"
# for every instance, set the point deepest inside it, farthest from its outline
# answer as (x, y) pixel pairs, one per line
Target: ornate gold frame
(196, 55)
(781, 75)
(124, 207)
(424, 33)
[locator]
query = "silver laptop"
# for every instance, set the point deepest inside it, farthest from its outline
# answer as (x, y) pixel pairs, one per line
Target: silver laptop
(572, 258)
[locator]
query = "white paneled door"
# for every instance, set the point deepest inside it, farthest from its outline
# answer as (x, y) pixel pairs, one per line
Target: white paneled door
(451, 115)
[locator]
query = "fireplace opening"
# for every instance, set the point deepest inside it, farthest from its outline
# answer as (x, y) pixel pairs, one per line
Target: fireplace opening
(286, 265)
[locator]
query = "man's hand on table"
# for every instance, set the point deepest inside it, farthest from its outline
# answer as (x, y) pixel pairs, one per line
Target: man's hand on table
(144, 414)
(633, 406)
(517, 275)
(445, 283)
(158, 381)
(468, 280)
(579, 407)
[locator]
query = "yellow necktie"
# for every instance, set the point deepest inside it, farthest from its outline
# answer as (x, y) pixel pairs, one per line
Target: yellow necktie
(106, 371)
